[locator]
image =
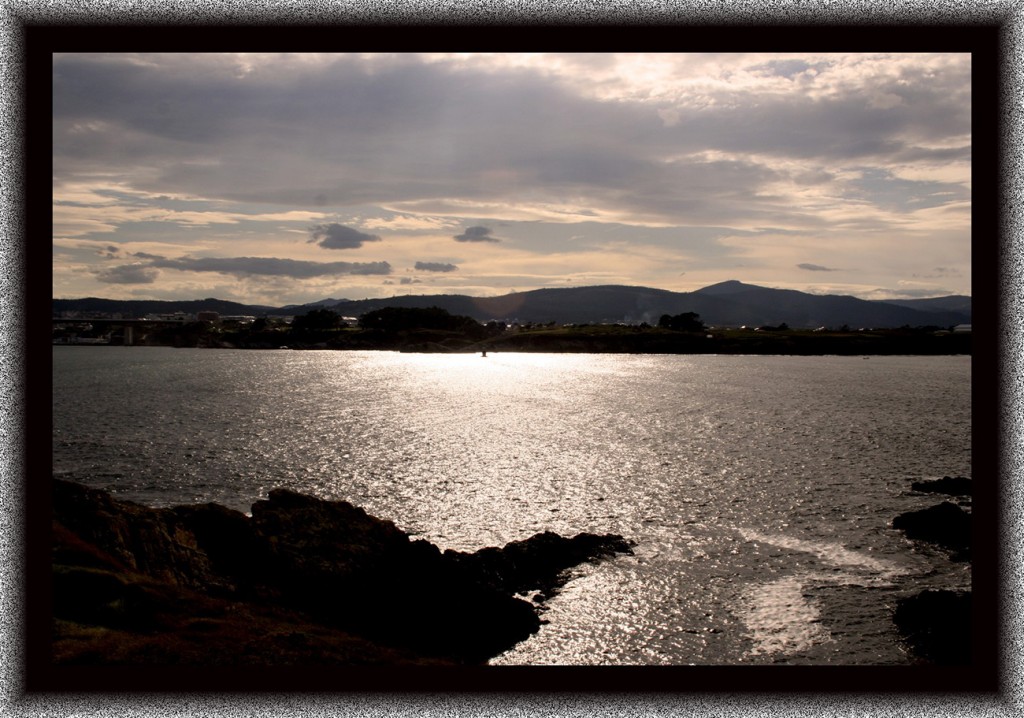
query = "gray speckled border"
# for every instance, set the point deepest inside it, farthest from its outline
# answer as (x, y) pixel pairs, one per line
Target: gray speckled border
(14, 14)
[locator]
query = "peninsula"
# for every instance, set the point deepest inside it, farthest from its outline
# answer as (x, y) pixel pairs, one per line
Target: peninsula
(303, 581)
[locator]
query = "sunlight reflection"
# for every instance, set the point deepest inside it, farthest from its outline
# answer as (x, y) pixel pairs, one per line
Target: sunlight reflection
(781, 619)
(468, 368)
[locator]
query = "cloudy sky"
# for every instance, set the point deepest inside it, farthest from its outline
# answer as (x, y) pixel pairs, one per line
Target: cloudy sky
(277, 179)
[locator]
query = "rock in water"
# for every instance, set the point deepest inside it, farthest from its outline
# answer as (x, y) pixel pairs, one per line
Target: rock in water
(539, 562)
(937, 625)
(945, 525)
(952, 485)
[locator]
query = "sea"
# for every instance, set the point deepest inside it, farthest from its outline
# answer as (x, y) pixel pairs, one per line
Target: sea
(759, 490)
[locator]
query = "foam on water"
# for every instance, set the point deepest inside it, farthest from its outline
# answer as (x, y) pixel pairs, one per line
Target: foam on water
(780, 615)
(830, 553)
(780, 619)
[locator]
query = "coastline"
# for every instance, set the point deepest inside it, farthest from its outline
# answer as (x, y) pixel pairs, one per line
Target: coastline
(597, 339)
(302, 582)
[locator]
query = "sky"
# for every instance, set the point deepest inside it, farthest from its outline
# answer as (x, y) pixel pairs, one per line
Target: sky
(283, 179)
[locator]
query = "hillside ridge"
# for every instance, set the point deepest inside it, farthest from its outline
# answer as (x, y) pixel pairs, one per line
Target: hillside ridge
(729, 303)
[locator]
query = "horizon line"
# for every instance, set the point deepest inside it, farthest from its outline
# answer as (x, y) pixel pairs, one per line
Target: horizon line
(514, 292)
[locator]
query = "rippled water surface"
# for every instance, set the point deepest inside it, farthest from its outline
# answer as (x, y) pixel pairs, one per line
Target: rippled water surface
(760, 490)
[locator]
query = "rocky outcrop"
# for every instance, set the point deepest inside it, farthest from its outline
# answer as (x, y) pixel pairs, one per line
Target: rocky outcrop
(95, 530)
(537, 563)
(936, 624)
(946, 525)
(950, 485)
(322, 581)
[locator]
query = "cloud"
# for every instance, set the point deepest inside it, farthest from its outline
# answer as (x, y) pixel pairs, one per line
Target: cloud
(435, 267)
(338, 236)
(476, 234)
(128, 274)
(271, 266)
(909, 293)
(409, 280)
(407, 222)
(525, 129)
(938, 273)
(189, 153)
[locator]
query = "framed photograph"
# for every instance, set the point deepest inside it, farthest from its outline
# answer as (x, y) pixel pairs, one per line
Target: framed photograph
(477, 359)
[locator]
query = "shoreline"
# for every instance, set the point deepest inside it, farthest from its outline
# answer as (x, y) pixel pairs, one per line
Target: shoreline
(309, 581)
(301, 581)
(553, 349)
(582, 338)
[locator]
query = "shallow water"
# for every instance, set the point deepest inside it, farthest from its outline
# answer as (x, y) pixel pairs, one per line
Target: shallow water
(760, 490)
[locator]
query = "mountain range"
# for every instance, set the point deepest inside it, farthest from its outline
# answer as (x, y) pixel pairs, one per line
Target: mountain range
(730, 303)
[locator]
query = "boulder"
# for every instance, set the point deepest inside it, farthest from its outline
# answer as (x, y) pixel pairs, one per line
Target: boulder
(946, 525)
(936, 625)
(951, 485)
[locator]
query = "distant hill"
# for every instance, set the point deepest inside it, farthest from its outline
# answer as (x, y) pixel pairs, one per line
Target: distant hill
(730, 303)
(726, 288)
(751, 304)
(953, 303)
(562, 305)
(291, 308)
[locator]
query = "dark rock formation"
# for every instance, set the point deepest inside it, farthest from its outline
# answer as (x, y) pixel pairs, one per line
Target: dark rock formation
(937, 625)
(951, 485)
(104, 533)
(537, 563)
(322, 581)
(945, 525)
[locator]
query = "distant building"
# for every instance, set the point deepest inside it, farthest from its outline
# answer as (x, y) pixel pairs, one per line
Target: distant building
(207, 316)
(962, 328)
(180, 317)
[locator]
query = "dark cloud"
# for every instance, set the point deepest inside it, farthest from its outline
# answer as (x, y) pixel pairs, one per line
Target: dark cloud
(338, 236)
(147, 255)
(476, 234)
(891, 193)
(435, 267)
(312, 134)
(271, 266)
(409, 280)
(815, 267)
(128, 274)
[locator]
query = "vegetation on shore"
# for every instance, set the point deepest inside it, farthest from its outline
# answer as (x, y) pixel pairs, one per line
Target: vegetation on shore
(436, 330)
